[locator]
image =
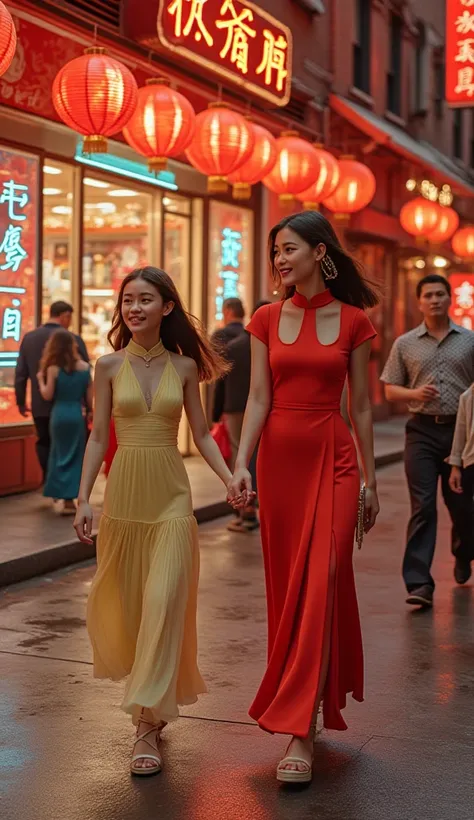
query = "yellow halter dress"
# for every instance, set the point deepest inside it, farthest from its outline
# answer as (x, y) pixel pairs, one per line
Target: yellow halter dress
(141, 612)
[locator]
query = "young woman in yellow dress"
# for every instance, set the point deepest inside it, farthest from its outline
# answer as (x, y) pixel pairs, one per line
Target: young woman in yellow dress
(141, 613)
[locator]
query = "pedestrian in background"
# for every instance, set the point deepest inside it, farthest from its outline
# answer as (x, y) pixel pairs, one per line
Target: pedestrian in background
(31, 352)
(65, 380)
(429, 368)
(233, 314)
(461, 460)
(231, 407)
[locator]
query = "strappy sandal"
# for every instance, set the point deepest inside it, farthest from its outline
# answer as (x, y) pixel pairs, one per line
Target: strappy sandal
(294, 776)
(147, 771)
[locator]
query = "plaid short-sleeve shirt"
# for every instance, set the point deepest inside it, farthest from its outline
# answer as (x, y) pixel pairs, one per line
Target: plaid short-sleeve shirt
(417, 358)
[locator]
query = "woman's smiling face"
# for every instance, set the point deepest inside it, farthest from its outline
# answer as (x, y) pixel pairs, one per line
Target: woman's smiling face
(143, 307)
(294, 259)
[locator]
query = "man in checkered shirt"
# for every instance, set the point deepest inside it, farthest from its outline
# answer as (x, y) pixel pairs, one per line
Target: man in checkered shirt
(429, 368)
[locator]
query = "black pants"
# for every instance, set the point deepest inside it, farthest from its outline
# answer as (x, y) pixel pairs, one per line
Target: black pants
(427, 446)
(43, 445)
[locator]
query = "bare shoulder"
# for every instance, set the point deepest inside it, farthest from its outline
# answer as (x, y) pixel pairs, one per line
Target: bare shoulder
(82, 365)
(53, 369)
(185, 366)
(109, 365)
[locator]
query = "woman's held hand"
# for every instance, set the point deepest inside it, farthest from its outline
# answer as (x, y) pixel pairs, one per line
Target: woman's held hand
(83, 522)
(239, 489)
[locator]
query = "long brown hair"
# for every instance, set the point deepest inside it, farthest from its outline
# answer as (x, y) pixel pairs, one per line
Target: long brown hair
(350, 286)
(60, 350)
(180, 331)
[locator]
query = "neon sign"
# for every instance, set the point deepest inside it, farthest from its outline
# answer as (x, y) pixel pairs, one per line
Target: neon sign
(462, 303)
(18, 254)
(460, 52)
(231, 246)
(234, 38)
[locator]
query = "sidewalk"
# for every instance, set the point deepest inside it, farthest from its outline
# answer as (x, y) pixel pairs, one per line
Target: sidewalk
(35, 541)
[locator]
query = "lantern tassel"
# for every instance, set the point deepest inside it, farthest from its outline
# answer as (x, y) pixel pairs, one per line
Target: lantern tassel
(94, 145)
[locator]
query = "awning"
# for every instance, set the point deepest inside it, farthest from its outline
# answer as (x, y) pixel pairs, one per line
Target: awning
(389, 135)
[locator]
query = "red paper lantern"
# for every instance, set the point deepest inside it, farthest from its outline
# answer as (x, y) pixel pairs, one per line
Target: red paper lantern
(295, 169)
(222, 142)
(463, 242)
(356, 188)
(420, 217)
(95, 95)
(162, 124)
(448, 223)
(258, 165)
(7, 39)
(326, 182)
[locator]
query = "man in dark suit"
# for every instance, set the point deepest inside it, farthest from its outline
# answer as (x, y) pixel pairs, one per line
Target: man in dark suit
(31, 351)
(235, 392)
(234, 315)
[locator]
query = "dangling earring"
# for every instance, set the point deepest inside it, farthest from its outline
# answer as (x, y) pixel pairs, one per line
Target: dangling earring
(328, 267)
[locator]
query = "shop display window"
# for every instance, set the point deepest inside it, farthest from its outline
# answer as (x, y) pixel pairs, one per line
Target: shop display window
(19, 201)
(116, 240)
(230, 259)
(177, 243)
(57, 263)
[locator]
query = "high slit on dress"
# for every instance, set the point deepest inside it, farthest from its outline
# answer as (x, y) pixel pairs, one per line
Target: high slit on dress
(141, 612)
(309, 482)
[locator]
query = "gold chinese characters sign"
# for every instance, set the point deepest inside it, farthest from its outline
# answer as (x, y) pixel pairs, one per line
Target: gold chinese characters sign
(460, 52)
(239, 41)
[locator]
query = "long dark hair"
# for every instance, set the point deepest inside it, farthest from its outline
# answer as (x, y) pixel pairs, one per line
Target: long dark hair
(180, 332)
(60, 350)
(350, 286)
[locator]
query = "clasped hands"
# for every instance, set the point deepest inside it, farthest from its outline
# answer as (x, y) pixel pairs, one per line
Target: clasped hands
(239, 489)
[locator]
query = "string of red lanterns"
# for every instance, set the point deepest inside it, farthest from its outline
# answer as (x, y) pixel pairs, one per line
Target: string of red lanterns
(97, 96)
(8, 39)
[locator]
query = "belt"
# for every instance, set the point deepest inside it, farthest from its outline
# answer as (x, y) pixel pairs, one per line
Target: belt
(429, 419)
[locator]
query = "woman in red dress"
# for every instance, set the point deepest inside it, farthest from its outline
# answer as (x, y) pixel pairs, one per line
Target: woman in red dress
(303, 348)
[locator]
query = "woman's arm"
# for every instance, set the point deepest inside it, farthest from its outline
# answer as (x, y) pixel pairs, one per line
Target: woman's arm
(258, 404)
(96, 447)
(460, 436)
(197, 421)
(47, 386)
(360, 413)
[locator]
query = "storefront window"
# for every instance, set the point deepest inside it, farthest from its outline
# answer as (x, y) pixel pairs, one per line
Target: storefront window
(18, 267)
(176, 243)
(230, 259)
(116, 241)
(58, 187)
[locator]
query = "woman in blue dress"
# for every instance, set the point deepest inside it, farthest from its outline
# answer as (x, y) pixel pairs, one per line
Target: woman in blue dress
(65, 380)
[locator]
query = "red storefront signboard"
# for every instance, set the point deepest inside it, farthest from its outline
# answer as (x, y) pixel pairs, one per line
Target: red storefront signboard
(18, 262)
(462, 302)
(460, 53)
(237, 40)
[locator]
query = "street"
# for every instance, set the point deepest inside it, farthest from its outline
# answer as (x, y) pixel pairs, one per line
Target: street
(407, 755)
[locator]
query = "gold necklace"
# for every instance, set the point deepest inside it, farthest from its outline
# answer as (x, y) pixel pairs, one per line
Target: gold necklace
(146, 355)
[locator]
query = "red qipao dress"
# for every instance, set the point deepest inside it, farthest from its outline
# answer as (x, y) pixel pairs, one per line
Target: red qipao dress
(308, 480)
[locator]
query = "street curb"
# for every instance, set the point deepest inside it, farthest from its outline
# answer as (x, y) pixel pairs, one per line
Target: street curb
(73, 552)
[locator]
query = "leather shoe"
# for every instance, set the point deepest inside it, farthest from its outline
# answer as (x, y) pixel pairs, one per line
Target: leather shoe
(462, 571)
(422, 596)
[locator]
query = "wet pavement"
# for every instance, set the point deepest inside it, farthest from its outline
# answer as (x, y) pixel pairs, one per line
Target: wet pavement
(408, 754)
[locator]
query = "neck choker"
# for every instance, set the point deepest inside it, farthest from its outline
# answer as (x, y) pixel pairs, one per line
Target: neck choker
(146, 355)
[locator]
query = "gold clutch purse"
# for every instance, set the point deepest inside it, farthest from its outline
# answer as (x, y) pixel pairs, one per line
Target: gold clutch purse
(360, 517)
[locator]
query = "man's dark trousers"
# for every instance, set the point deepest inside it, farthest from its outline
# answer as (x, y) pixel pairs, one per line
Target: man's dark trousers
(428, 444)
(43, 445)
